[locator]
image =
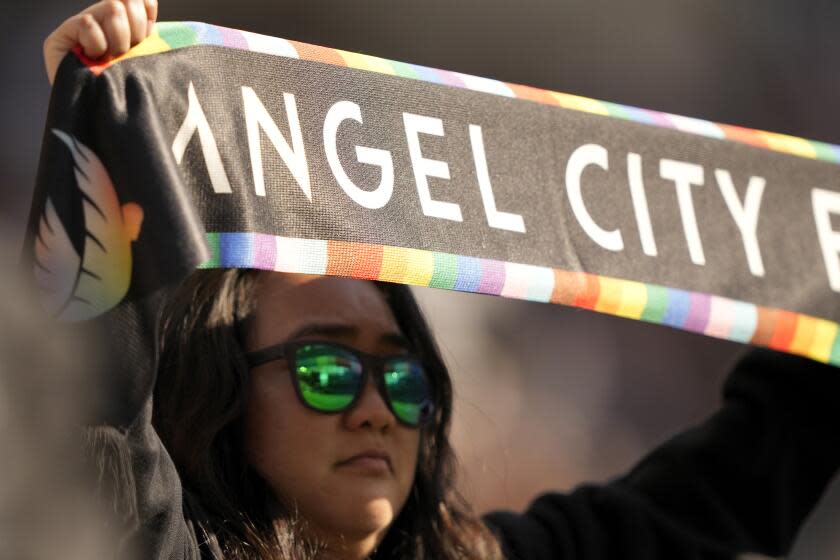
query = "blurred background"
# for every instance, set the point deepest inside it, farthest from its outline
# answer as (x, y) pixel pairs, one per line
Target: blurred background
(547, 397)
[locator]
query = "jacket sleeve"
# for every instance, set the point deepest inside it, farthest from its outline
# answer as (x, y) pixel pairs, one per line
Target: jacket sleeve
(138, 485)
(742, 482)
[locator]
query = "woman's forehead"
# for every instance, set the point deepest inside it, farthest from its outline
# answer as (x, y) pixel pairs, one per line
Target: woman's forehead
(289, 303)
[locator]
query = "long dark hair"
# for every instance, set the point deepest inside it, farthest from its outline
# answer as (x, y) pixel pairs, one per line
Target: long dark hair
(199, 404)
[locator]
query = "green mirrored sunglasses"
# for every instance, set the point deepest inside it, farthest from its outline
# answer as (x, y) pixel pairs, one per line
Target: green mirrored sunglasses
(329, 377)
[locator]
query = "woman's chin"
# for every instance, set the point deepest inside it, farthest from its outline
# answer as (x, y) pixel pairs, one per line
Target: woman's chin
(357, 526)
(371, 514)
(361, 521)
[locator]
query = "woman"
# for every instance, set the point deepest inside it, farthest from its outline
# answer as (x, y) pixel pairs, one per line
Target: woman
(255, 448)
(308, 417)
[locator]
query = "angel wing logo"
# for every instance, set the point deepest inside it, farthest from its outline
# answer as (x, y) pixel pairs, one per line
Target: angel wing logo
(77, 287)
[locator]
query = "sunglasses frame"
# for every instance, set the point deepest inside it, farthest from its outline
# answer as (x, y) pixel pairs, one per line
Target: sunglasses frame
(370, 362)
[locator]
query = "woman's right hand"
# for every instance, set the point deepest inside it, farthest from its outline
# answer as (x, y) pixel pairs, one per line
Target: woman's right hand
(109, 27)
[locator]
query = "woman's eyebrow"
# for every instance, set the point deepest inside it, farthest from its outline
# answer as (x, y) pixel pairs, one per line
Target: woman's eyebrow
(341, 330)
(337, 330)
(396, 339)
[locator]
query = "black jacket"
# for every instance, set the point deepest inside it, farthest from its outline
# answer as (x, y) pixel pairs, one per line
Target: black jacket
(742, 482)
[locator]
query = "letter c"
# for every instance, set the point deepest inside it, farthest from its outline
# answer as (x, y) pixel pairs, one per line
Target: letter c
(582, 157)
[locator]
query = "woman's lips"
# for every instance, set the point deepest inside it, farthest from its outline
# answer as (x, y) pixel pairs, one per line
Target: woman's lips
(368, 462)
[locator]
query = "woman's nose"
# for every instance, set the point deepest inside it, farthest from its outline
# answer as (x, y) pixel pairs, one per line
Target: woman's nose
(370, 410)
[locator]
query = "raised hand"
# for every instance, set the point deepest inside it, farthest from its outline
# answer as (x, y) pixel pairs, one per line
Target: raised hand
(109, 27)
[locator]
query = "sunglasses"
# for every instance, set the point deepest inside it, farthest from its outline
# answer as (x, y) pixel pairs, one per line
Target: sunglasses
(329, 378)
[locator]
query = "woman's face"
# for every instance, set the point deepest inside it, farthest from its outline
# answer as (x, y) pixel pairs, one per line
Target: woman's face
(307, 457)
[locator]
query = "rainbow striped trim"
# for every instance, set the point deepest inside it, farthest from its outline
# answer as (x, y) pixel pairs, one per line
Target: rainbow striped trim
(169, 36)
(697, 312)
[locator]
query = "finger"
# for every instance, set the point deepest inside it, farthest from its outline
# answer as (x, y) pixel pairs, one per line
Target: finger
(91, 37)
(151, 12)
(113, 18)
(138, 21)
(81, 29)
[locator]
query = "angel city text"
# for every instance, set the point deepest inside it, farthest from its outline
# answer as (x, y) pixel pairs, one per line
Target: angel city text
(685, 176)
